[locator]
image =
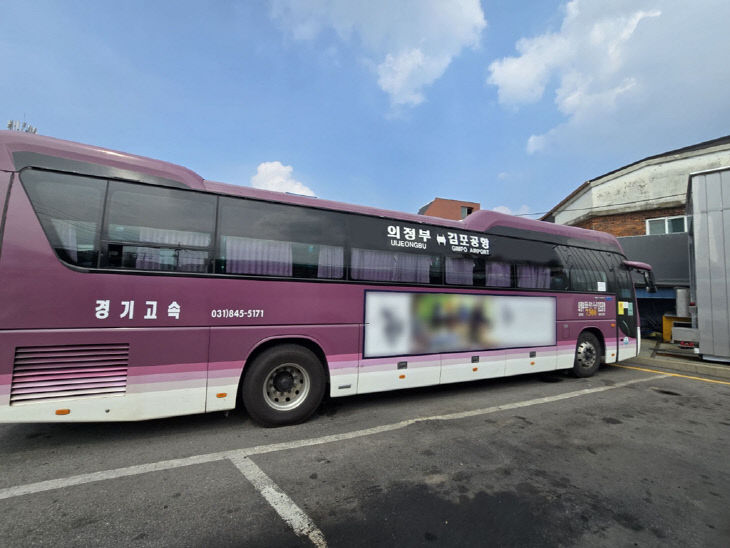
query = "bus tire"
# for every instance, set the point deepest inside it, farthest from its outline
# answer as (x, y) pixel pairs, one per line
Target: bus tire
(587, 355)
(284, 385)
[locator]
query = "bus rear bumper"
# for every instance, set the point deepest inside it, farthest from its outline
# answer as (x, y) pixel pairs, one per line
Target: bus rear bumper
(108, 408)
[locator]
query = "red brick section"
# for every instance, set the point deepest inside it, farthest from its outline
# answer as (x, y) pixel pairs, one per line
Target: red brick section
(447, 209)
(628, 224)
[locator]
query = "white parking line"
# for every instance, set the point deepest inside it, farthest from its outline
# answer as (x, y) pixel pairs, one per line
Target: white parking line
(39, 487)
(284, 506)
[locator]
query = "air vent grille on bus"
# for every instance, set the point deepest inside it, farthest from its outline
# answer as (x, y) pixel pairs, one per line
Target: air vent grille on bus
(42, 373)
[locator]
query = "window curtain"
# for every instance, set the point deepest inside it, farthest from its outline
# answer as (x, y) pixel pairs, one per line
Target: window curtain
(460, 271)
(368, 264)
(188, 260)
(533, 276)
(173, 237)
(498, 275)
(331, 262)
(264, 257)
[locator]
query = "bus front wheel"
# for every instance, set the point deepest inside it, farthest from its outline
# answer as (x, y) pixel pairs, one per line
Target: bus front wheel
(284, 385)
(587, 355)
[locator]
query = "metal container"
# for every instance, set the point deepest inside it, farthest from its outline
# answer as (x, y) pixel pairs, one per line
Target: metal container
(708, 208)
(682, 301)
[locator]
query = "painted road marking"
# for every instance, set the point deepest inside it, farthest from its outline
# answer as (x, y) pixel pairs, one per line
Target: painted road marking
(42, 486)
(284, 506)
(671, 374)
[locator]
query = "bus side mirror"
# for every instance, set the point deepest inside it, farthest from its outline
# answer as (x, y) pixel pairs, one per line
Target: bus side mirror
(649, 281)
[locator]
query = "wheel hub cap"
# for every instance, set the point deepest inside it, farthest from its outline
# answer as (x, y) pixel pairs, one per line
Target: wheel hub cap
(284, 381)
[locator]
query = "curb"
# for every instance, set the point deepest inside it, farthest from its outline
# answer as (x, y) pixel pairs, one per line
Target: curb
(686, 366)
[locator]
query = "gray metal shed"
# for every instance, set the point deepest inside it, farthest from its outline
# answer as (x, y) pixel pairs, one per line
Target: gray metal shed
(708, 204)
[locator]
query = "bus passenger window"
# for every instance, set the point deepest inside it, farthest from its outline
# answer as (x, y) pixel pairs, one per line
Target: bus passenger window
(155, 228)
(69, 208)
(460, 271)
(390, 266)
(558, 279)
(268, 239)
(498, 274)
(330, 261)
(263, 257)
(533, 276)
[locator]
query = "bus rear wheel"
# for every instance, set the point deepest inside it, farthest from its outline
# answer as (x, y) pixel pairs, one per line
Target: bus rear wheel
(587, 355)
(284, 385)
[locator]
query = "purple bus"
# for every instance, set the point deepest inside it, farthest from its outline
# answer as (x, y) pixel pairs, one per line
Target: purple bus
(133, 289)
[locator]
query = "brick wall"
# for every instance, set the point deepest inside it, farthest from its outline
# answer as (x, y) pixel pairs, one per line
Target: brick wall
(447, 209)
(628, 224)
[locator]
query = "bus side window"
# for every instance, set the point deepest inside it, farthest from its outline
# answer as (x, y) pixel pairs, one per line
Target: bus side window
(267, 239)
(558, 279)
(157, 228)
(390, 266)
(533, 276)
(69, 208)
(465, 271)
(498, 274)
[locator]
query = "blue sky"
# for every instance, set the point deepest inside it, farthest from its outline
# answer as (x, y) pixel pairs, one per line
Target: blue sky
(382, 103)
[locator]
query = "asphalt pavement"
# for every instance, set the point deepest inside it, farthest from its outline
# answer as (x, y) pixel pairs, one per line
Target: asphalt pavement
(635, 456)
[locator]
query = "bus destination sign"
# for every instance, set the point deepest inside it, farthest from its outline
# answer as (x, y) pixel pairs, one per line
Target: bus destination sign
(457, 242)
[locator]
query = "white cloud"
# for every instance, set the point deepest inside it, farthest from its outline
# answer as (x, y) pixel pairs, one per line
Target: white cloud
(522, 210)
(278, 177)
(409, 43)
(535, 143)
(584, 55)
(625, 69)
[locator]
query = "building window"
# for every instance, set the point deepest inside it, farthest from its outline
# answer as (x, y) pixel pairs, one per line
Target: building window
(466, 211)
(666, 225)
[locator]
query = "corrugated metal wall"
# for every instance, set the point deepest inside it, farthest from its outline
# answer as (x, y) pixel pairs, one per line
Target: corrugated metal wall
(710, 198)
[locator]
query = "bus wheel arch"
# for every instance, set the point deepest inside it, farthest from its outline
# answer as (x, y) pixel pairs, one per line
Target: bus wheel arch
(283, 381)
(589, 352)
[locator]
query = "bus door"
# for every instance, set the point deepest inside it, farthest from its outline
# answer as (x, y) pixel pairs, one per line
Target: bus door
(626, 315)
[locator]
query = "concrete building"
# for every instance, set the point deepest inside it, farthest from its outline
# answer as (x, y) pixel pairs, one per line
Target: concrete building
(448, 209)
(645, 197)
(644, 204)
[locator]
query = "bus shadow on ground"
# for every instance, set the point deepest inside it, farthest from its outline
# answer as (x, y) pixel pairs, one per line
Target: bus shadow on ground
(24, 437)
(414, 396)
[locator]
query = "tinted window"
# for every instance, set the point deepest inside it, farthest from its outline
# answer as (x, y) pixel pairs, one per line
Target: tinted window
(498, 274)
(626, 314)
(533, 276)
(587, 270)
(465, 271)
(69, 208)
(390, 266)
(154, 228)
(268, 239)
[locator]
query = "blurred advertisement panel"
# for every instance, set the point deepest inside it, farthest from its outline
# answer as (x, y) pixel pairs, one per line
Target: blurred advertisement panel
(424, 323)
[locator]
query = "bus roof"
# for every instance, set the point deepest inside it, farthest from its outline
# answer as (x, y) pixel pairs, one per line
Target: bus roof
(14, 142)
(18, 149)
